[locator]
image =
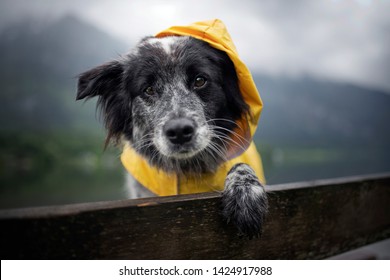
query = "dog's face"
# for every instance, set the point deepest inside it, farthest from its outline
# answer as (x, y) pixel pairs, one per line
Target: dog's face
(176, 100)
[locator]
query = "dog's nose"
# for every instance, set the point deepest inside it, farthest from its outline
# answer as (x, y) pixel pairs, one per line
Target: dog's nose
(179, 131)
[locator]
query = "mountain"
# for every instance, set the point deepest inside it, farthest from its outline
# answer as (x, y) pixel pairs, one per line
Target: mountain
(37, 91)
(38, 70)
(51, 147)
(310, 112)
(65, 47)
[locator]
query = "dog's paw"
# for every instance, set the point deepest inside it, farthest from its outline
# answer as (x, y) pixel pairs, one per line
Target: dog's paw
(244, 201)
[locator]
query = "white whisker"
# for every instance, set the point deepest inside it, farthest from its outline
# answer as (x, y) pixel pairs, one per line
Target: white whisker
(225, 120)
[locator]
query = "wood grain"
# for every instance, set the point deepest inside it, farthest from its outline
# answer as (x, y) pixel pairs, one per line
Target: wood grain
(309, 220)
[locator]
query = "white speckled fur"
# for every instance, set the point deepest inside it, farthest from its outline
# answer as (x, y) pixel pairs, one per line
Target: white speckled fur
(139, 117)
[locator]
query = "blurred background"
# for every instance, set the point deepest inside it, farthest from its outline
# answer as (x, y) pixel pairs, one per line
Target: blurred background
(322, 68)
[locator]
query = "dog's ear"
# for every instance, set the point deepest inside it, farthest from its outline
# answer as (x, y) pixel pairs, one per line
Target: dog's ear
(235, 101)
(100, 80)
(105, 81)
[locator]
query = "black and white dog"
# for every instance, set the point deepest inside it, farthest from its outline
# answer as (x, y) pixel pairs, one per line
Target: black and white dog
(176, 100)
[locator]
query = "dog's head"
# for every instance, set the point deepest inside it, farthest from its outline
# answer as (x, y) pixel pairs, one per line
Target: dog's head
(176, 100)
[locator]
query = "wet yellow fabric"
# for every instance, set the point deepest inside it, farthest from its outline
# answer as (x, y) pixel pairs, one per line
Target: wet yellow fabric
(162, 183)
(215, 33)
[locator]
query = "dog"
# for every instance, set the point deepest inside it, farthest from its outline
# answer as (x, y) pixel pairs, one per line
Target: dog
(175, 101)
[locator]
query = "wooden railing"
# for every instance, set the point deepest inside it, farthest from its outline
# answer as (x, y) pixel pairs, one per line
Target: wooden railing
(310, 220)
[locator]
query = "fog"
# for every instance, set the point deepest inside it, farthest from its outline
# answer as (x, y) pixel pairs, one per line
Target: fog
(345, 41)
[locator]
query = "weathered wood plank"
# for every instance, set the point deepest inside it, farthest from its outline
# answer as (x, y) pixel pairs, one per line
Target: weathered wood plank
(308, 220)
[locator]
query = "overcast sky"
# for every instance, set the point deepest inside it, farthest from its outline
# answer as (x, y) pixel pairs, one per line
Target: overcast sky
(330, 39)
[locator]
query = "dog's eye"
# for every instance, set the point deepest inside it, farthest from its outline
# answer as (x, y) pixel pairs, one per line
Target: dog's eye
(199, 82)
(149, 90)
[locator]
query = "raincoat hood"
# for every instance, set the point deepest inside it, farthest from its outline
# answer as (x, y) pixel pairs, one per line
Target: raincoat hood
(215, 33)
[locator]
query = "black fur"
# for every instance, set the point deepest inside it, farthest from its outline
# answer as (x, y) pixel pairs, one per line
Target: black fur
(106, 82)
(145, 89)
(117, 83)
(244, 202)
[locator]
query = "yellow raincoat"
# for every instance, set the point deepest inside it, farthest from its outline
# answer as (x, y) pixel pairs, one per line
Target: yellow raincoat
(215, 33)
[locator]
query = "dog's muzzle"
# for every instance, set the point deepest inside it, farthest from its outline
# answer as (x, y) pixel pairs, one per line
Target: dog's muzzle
(181, 138)
(179, 131)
